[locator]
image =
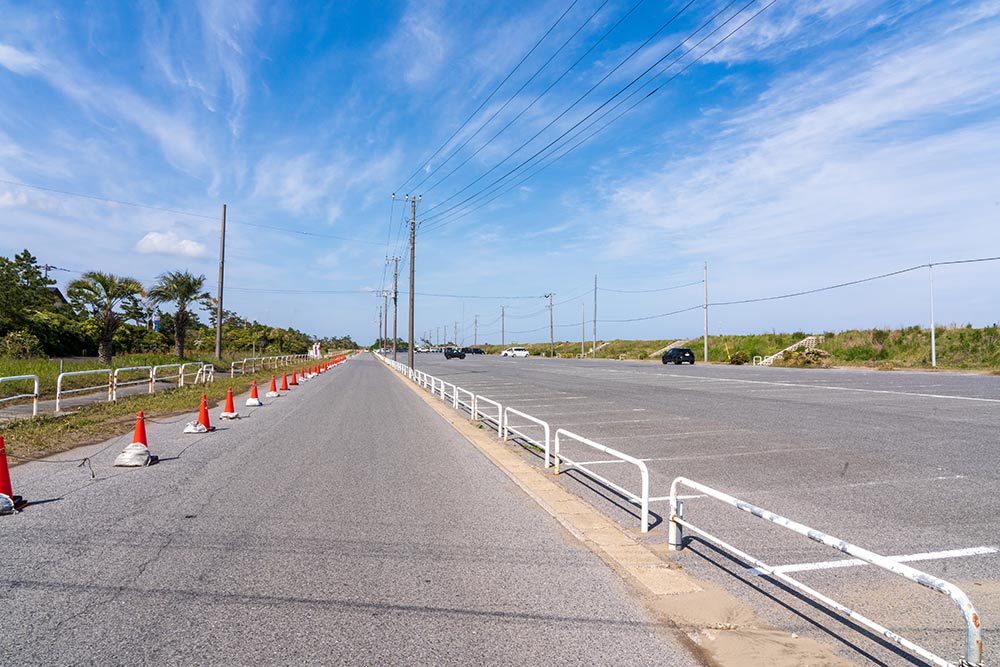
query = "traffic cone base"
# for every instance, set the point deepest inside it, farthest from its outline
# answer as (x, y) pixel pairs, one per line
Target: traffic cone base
(137, 454)
(273, 391)
(230, 410)
(9, 503)
(202, 425)
(254, 400)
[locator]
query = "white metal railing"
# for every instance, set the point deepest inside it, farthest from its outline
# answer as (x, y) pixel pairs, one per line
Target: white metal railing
(476, 400)
(642, 498)
(182, 373)
(458, 404)
(973, 633)
(115, 382)
(155, 372)
(60, 392)
(206, 373)
(33, 395)
(508, 429)
(444, 396)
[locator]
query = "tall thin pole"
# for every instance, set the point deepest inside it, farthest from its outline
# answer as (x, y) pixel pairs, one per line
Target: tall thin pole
(222, 272)
(455, 341)
(385, 309)
(930, 274)
(552, 339)
(583, 329)
(395, 303)
(381, 341)
(595, 316)
(413, 242)
(475, 331)
(503, 343)
(706, 312)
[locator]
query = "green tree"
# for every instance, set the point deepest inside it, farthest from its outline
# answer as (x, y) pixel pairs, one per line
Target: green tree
(102, 293)
(23, 289)
(183, 289)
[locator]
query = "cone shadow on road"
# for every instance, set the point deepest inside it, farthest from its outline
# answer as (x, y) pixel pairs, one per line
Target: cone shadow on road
(730, 565)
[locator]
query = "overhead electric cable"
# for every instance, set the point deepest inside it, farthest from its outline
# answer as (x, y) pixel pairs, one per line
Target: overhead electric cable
(569, 108)
(498, 183)
(488, 97)
(533, 102)
(647, 291)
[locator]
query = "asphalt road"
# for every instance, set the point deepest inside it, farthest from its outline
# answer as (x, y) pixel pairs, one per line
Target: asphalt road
(344, 524)
(900, 463)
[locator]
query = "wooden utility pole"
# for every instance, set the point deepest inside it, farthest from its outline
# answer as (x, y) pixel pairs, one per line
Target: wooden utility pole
(218, 304)
(413, 243)
(502, 342)
(475, 331)
(381, 341)
(395, 302)
(552, 339)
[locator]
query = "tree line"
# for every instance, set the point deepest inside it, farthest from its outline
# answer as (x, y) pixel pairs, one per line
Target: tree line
(104, 313)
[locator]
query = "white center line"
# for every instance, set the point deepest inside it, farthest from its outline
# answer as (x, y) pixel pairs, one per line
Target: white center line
(854, 562)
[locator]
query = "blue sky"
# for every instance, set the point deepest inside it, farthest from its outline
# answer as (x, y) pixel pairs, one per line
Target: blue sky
(821, 143)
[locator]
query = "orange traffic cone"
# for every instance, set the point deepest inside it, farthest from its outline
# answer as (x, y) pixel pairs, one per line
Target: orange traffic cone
(137, 454)
(230, 410)
(284, 382)
(9, 503)
(303, 376)
(254, 400)
(294, 382)
(202, 425)
(273, 391)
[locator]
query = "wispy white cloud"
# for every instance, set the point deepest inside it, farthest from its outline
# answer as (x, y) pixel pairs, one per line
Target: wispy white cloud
(169, 243)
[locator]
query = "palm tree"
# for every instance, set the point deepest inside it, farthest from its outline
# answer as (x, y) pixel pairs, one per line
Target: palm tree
(182, 288)
(102, 292)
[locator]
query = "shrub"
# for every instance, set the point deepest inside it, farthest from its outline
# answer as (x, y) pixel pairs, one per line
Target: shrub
(20, 345)
(739, 358)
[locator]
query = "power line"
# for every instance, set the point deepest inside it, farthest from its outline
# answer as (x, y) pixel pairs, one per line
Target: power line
(442, 221)
(488, 97)
(538, 97)
(854, 282)
(563, 113)
(647, 291)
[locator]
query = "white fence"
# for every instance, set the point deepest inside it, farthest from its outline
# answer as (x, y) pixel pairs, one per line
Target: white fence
(60, 392)
(973, 634)
(508, 429)
(642, 498)
(33, 395)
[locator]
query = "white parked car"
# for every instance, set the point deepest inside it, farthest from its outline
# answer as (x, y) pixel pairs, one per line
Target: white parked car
(515, 352)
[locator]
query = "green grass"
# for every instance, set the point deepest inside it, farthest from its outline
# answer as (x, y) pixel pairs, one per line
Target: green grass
(957, 347)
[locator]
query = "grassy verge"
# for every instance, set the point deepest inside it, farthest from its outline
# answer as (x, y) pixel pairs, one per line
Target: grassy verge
(957, 347)
(96, 422)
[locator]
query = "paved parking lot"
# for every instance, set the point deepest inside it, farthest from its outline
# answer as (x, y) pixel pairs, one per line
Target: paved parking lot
(902, 463)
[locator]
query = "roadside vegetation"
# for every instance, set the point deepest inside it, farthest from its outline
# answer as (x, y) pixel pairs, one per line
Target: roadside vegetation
(109, 321)
(958, 347)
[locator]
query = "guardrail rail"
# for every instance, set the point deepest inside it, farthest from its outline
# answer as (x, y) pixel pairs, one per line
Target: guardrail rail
(973, 633)
(33, 395)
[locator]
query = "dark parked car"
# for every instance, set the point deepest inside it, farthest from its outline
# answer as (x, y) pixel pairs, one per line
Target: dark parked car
(451, 353)
(678, 355)
(472, 350)
(477, 350)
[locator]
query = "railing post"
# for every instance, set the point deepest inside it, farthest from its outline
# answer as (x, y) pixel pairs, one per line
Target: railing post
(111, 386)
(675, 534)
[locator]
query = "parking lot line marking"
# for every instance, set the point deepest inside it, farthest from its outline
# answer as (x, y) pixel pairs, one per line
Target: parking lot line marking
(623, 421)
(728, 454)
(854, 562)
(669, 436)
(832, 388)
